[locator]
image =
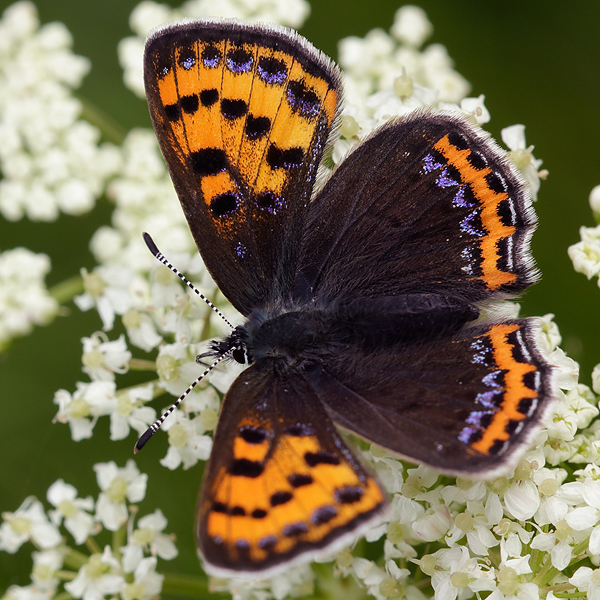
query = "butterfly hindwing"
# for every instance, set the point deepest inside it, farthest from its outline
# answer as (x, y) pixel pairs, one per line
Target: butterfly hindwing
(281, 483)
(464, 403)
(242, 114)
(425, 204)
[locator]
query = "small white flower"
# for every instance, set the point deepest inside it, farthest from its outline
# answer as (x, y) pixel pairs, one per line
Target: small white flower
(550, 335)
(176, 367)
(582, 401)
(146, 584)
(296, 582)
(148, 536)
(595, 201)
(108, 289)
(566, 369)
(99, 577)
(596, 379)
(411, 25)
(103, 358)
(28, 592)
(117, 485)
(131, 412)
(82, 409)
(78, 522)
(457, 573)
(369, 574)
(141, 330)
(45, 566)
(585, 254)
(522, 156)
(434, 524)
(522, 499)
(588, 581)
(28, 523)
(187, 445)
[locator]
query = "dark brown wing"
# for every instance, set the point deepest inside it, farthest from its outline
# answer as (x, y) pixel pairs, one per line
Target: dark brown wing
(464, 404)
(427, 204)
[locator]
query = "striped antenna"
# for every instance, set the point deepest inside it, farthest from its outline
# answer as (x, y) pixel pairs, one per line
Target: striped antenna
(157, 424)
(161, 258)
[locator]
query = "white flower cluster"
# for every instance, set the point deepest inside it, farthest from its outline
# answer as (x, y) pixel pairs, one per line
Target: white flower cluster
(24, 298)
(127, 568)
(147, 15)
(50, 160)
(388, 75)
(586, 253)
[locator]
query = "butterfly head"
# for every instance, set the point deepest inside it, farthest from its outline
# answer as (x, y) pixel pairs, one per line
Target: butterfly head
(236, 345)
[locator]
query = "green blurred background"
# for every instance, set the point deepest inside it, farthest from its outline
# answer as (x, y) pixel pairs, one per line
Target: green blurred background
(536, 62)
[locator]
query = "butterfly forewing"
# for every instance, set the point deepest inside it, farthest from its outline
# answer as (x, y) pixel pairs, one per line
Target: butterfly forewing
(283, 484)
(242, 114)
(425, 204)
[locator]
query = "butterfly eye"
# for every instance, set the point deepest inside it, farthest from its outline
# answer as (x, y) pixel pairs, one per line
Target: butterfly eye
(241, 356)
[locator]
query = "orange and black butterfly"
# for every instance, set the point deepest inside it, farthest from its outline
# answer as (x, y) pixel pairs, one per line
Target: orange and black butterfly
(362, 294)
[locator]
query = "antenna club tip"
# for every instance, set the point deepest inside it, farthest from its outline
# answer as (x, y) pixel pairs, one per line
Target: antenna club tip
(150, 243)
(143, 439)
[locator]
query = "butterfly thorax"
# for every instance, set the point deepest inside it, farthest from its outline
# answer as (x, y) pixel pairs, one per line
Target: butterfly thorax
(279, 340)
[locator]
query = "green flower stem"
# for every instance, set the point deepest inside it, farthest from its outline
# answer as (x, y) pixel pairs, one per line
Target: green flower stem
(111, 130)
(62, 596)
(119, 539)
(548, 572)
(92, 546)
(139, 364)
(66, 290)
(75, 560)
(563, 587)
(66, 575)
(192, 586)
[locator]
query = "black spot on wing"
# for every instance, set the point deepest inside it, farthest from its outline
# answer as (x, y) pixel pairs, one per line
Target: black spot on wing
(233, 109)
(299, 479)
(348, 494)
(209, 97)
(246, 468)
(224, 204)
(323, 514)
(320, 458)
(280, 498)
(208, 161)
(189, 104)
(252, 434)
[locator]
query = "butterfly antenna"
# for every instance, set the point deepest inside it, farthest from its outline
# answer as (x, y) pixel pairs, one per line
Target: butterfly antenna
(161, 258)
(157, 424)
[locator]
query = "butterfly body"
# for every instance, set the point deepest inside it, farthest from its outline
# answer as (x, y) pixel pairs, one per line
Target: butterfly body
(367, 297)
(301, 336)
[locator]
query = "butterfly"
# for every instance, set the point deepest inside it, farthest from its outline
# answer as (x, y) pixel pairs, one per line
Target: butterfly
(366, 295)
